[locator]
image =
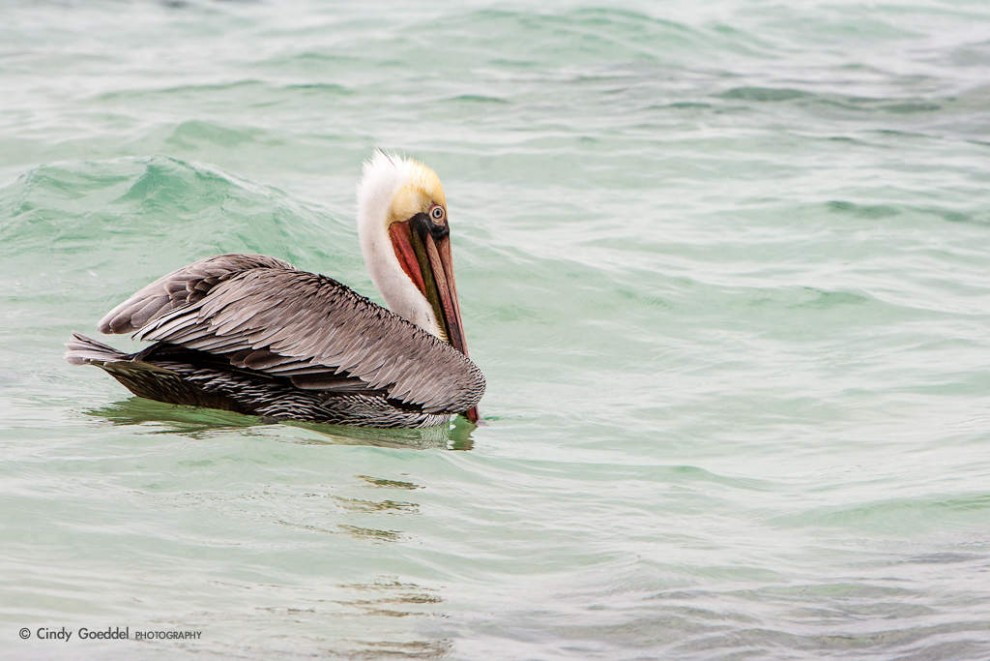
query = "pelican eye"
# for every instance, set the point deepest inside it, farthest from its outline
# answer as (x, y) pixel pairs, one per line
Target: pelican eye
(437, 213)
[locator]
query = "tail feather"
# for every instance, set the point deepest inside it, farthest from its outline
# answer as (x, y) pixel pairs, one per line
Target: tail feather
(82, 350)
(164, 382)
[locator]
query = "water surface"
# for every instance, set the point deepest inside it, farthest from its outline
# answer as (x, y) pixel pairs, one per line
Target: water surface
(725, 268)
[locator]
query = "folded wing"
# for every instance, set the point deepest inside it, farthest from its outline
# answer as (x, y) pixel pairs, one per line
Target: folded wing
(264, 315)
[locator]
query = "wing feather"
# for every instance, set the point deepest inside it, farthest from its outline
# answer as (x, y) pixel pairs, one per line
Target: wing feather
(264, 315)
(179, 288)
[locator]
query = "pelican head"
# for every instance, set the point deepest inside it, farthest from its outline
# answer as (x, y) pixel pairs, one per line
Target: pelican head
(405, 239)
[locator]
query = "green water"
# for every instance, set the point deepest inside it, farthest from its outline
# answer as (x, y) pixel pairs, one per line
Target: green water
(724, 266)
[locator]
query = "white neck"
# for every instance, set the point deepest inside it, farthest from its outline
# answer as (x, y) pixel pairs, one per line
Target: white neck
(384, 175)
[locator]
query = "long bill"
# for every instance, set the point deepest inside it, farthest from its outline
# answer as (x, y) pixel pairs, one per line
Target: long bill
(433, 273)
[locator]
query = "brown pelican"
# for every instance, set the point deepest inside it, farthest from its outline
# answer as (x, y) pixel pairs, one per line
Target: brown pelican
(253, 334)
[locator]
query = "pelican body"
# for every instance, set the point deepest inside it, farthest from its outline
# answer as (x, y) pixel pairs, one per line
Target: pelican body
(253, 334)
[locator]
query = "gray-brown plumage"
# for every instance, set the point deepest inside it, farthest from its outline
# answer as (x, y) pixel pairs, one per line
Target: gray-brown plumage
(252, 334)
